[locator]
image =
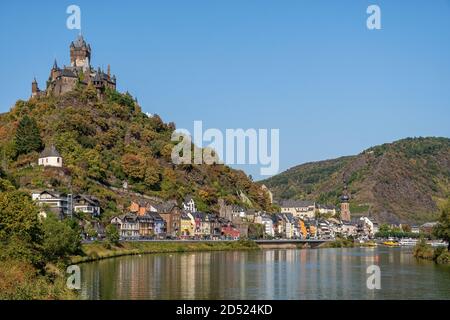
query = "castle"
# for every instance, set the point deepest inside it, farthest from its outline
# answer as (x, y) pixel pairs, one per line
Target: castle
(62, 80)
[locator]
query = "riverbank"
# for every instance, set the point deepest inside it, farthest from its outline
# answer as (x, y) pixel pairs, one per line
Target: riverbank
(98, 251)
(439, 255)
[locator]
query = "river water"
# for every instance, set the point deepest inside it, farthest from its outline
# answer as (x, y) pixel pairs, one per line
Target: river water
(266, 274)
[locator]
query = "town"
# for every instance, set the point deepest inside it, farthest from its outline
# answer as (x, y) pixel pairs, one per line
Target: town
(146, 219)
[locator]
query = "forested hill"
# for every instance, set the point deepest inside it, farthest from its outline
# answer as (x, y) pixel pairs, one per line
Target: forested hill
(104, 142)
(403, 181)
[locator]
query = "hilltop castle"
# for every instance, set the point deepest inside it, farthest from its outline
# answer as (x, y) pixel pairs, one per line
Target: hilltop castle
(62, 80)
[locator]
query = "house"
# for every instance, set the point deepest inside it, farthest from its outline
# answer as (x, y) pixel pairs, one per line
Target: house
(415, 229)
(50, 201)
(312, 229)
(141, 207)
(127, 225)
(205, 228)
(230, 232)
(428, 227)
(367, 227)
(215, 227)
(250, 215)
(171, 213)
(187, 224)
(326, 209)
(50, 157)
(279, 225)
(86, 204)
(324, 229)
(238, 212)
(267, 221)
(146, 226)
(189, 204)
(159, 226)
(289, 229)
(198, 217)
(301, 209)
(348, 229)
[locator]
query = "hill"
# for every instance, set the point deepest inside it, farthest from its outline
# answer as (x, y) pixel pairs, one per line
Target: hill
(403, 181)
(103, 142)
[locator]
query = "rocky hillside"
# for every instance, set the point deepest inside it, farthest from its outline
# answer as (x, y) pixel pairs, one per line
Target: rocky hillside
(404, 181)
(104, 142)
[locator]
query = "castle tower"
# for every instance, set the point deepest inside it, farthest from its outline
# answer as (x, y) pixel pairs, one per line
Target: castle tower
(55, 72)
(80, 53)
(345, 205)
(35, 88)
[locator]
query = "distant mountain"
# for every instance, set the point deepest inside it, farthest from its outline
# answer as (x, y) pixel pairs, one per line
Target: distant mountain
(104, 142)
(403, 181)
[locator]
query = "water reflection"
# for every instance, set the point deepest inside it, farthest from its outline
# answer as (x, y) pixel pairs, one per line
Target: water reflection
(266, 274)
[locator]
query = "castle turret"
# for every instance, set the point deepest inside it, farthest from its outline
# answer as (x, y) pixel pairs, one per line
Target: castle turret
(35, 88)
(55, 72)
(80, 53)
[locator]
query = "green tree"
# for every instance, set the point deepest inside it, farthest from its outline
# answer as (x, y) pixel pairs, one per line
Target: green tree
(442, 229)
(61, 239)
(28, 138)
(384, 228)
(18, 217)
(112, 234)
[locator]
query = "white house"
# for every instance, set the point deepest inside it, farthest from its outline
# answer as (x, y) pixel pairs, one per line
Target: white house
(127, 225)
(86, 204)
(50, 157)
(53, 201)
(189, 204)
(268, 225)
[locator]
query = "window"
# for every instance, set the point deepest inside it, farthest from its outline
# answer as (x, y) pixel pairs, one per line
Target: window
(57, 160)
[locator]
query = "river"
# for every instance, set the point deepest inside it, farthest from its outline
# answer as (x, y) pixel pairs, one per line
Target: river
(266, 274)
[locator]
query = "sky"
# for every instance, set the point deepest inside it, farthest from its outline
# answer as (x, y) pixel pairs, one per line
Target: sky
(311, 69)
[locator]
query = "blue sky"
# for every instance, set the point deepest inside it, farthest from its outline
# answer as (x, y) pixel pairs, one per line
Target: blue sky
(310, 68)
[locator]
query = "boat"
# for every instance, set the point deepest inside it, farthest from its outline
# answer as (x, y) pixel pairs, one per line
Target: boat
(408, 242)
(391, 244)
(438, 243)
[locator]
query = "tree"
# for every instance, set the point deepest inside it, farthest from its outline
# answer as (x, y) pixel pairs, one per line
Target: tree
(61, 238)
(18, 217)
(112, 234)
(28, 138)
(384, 228)
(134, 166)
(406, 228)
(442, 229)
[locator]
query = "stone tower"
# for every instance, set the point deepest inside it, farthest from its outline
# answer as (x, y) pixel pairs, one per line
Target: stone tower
(345, 204)
(80, 53)
(34, 88)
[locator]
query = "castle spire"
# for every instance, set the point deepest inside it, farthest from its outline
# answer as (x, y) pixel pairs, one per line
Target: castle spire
(55, 65)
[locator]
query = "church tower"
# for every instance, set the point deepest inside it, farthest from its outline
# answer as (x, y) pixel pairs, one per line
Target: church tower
(80, 53)
(345, 204)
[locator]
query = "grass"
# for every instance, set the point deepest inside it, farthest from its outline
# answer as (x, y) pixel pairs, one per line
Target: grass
(97, 251)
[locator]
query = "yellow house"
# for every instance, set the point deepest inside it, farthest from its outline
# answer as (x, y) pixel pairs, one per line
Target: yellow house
(187, 225)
